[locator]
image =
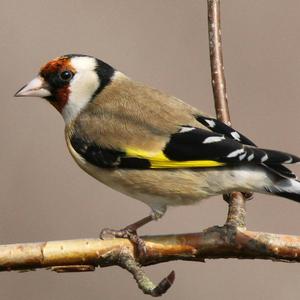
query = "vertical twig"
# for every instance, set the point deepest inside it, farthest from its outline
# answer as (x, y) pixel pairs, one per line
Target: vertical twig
(236, 201)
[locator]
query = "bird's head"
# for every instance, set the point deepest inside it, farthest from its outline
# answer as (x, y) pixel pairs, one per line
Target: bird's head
(69, 83)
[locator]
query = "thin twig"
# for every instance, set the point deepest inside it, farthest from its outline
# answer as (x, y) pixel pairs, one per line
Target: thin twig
(216, 61)
(236, 201)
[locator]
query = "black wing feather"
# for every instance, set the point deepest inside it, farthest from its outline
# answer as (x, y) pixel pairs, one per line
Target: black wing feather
(201, 144)
(105, 158)
(189, 144)
(220, 127)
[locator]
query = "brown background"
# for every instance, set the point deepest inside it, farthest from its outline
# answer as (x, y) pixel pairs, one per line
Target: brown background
(45, 196)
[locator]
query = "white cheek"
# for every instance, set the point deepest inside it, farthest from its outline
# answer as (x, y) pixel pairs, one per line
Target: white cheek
(82, 88)
(83, 63)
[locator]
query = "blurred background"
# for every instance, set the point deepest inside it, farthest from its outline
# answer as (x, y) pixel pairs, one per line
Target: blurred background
(45, 196)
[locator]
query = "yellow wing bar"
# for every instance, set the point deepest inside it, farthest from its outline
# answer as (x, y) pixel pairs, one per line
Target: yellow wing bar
(159, 161)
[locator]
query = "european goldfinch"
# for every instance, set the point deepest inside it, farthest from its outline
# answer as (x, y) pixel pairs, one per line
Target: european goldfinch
(152, 146)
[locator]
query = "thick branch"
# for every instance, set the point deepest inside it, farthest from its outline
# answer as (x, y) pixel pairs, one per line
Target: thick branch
(236, 201)
(215, 242)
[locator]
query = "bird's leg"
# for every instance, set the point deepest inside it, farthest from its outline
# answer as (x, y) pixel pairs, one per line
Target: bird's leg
(130, 232)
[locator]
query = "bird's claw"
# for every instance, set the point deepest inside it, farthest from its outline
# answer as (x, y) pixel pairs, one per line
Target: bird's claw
(126, 233)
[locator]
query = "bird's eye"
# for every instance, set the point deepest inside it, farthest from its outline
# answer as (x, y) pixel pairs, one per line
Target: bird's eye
(66, 75)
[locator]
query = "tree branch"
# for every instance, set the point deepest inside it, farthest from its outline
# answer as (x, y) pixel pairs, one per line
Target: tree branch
(216, 61)
(236, 201)
(87, 254)
(215, 242)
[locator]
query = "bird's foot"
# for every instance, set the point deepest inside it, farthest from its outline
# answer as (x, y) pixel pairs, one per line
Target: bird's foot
(130, 232)
(126, 233)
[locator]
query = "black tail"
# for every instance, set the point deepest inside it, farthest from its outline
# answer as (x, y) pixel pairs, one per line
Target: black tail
(285, 187)
(274, 160)
(270, 157)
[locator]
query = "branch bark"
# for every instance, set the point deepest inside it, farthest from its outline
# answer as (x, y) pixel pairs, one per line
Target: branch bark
(236, 200)
(215, 242)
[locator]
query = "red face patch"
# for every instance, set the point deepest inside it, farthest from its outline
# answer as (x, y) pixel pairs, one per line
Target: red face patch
(56, 65)
(59, 87)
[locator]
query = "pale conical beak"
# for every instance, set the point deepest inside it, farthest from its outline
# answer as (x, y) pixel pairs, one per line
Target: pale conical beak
(35, 88)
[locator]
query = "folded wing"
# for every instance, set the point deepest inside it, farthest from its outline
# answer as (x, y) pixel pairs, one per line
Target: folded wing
(190, 147)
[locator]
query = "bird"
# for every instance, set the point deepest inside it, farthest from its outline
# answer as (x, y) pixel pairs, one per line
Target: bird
(150, 145)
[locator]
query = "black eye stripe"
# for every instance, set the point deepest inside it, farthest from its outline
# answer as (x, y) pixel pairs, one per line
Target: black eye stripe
(58, 79)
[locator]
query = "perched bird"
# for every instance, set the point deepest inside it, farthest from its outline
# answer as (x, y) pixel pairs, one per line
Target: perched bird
(152, 146)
